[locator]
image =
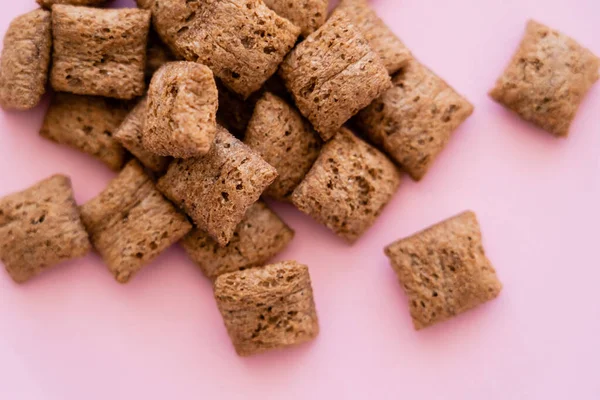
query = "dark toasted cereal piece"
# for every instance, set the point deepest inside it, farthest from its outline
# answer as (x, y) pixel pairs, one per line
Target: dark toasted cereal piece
(99, 52)
(86, 123)
(413, 121)
(285, 140)
(49, 3)
(25, 60)
(129, 134)
(259, 237)
(40, 227)
(333, 74)
(382, 39)
(348, 186)
(242, 41)
(217, 189)
(444, 270)
(547, 79)
(181, 118)
(157, 54)
(309, 15)
(267, 308)
(131, 223)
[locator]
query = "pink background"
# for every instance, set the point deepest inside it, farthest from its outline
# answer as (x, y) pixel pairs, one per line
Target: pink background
(74, 333)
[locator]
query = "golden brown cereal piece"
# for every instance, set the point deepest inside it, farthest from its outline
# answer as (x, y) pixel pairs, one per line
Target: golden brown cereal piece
(49, 3)
(547, 79)
(333, 74)
(25, 60)
(131, 223)
(309, 15)
(217, 189)
(129, 135)
(86, 123)
(181, 118)
(413, 121)
(99, 52)
(384, 42)
(348, 186)
(157, 54)
(242, 41)
(259, 237)
(267, 308)
(285, 140)
(444, 270)
(40, 227)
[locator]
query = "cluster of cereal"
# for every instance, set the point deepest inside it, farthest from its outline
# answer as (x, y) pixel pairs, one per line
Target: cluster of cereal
(221, 66)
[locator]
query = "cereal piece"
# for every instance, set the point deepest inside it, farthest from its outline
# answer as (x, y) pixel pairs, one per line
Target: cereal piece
(285, 140)
(309, 15)
(181, 118)
(131, 223)
(25, 60)
(129, 134)
(217, 189)
(348, 186)
(99, 52)
(91, 3)
(547, 79)
(413, 121)
(242, 41)
(157, 54)
(259, 237)
(444, 270)
(333, 74)
(381, 38)
(145, 4)
(267, 308)
(86, 123)
(40, 227)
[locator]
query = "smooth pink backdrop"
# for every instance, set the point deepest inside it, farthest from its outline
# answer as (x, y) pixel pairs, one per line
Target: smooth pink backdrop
(73, 333)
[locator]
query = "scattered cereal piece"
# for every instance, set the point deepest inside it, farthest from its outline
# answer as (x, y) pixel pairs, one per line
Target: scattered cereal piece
(309, 15)
(25, 60)
(267, 308)
(181, 119)
(157, 54)
(413, 121)
(217, 189)
(547, 79)
(131, 223)
(348, 186)
(444, 270)
(40, 227)
(49, 3)
(99, 52)
(333, 74)
(284, 139)
(259, 237)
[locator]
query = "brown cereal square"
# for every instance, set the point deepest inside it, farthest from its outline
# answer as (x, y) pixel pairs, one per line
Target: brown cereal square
(259, 237)
(40, 227)
(309, 15)
(131, 223)
(348, 186)
(414, 120)
(99, 52)
(25, 60)
(267, 308)
(333, 74)
(547, 79)
(444, 270)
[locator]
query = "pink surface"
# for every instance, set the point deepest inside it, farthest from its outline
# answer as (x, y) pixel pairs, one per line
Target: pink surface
(74, 333)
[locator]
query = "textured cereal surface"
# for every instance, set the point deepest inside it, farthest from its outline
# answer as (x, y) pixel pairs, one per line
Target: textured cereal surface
(131, 223)
(39, 228)
(414, 120)
(444, 270)
(181, 117)
(217, 189)
(348, 186)
(309, 15)
(547, 79)
(49, 3)
(99, 52)
(25, 60)
(333, 74)
(267, 308)
(259, 237)
(242, 41)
